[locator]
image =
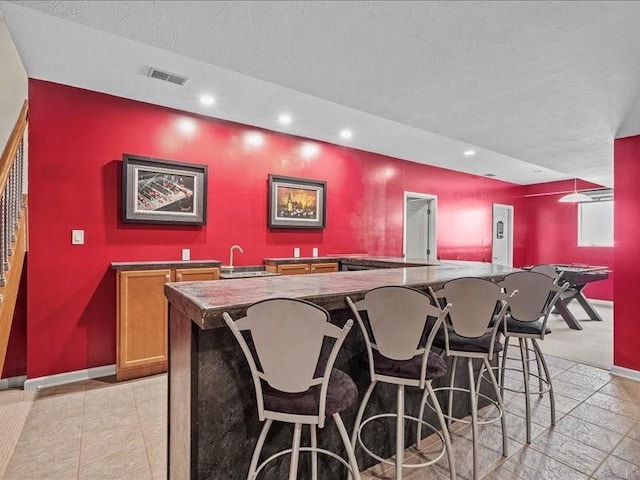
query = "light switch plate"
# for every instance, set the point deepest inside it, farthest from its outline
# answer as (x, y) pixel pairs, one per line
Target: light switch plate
(315, 251)
(186, 254)
(296, 252)
(77, 237)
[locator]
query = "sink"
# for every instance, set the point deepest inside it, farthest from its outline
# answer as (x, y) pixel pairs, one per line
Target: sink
(245, 272)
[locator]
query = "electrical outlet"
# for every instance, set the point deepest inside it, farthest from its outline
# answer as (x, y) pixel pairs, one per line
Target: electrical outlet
(186, 254)
(296, 252)
(315, 251)
(77, 237)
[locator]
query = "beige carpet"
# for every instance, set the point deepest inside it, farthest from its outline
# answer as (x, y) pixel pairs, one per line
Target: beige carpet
(14, 408)
(593, 345)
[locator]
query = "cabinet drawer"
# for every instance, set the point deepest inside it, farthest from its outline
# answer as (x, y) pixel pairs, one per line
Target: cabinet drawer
(324, 267)
(293, 269)
(197, 274)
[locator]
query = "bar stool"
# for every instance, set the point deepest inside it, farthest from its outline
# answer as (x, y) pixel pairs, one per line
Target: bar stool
(398, 330)
(471, 331)
(282, 340)
(526, 320)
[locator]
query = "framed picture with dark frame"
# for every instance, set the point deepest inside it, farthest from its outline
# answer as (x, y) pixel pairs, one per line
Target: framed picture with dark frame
(163, 191)
(296, 202)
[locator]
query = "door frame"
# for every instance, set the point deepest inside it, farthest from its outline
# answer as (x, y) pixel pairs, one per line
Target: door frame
(510, 209)
(433, 223)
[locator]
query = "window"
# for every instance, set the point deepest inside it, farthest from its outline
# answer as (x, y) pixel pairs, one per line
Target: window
(595, 224)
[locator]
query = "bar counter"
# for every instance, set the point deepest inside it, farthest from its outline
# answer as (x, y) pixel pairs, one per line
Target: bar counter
(213, 420)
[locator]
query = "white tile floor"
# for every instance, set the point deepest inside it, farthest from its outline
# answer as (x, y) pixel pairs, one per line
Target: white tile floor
(104, 430)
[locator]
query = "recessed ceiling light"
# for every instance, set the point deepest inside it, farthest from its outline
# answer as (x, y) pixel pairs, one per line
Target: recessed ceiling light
(346, 133)
(285, 119)
(207, 100)
(309, 150)
(469, 153)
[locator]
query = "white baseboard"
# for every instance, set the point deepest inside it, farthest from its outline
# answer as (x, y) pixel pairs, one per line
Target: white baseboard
(12, 382)
(604, 303)
(625, 372)
(69, 377)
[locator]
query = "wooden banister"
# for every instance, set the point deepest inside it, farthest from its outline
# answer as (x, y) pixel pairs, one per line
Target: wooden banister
(16, 235)
(10, 150)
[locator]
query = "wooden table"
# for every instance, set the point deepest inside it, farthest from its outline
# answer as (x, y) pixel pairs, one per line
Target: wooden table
(578, 276)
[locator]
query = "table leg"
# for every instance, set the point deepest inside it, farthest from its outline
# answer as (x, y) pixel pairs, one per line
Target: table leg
(567, 316)
(582, 300)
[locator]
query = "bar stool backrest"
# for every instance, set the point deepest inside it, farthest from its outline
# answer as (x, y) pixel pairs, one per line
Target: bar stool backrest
(537, 293)
(473, 304)
(549, 270)
(286, 338)
(397, 318)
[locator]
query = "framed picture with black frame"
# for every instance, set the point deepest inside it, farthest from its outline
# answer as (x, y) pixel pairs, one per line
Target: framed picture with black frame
(297, 202)
(163, 191)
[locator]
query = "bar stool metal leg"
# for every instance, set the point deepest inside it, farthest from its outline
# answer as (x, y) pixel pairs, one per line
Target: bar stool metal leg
(525, 375)
(539, 363)
(503, 420)
(363, 405)
(400, 433)
(443, 427)
(355, 472)
(295, 451)
(503, 368)
(552, 399)
(314, 454)
(452, 382)
(258, 449)
(474, 417)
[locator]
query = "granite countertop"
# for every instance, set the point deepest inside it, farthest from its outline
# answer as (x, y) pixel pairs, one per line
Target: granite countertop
(204, 302)
(165, 264)
(361, 260)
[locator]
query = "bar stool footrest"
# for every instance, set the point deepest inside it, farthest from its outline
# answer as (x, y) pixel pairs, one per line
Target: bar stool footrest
(462, 420)
(406, 417)
(302, 449)
(513, 390)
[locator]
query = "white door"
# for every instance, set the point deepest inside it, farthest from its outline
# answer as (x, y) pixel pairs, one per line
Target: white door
(419, 226)
(503, 235)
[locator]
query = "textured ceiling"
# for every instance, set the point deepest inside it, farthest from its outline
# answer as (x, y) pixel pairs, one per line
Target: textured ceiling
(548, 83)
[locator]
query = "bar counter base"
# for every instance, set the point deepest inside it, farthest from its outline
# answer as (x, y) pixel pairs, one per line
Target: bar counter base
(213, 419)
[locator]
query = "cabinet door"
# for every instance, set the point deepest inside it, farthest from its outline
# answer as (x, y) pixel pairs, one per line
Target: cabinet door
(142, 345)
(197, 274)
(324, 267)
(293, 269)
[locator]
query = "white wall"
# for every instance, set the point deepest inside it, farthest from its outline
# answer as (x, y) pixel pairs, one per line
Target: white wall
(13, 83)
(13, 88)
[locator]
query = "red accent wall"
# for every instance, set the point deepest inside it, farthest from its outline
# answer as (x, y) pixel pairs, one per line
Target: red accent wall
(552, 233)
(76, 142)
(626, 332)
(15, 363)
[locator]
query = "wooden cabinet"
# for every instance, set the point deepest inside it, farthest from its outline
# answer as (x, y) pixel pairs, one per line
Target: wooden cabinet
(197, 274)
(302, 268)
(324, 267)
(142, 309)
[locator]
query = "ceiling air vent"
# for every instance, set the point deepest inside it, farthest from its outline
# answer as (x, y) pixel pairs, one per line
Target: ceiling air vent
(167, 76)
(489, 175)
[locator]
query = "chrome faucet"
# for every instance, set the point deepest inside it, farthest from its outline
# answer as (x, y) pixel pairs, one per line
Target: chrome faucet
(233, 247)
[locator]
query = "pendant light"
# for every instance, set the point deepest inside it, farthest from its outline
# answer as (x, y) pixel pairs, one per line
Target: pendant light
(575, 196)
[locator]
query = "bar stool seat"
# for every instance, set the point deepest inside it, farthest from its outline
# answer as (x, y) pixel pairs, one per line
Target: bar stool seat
(410, 369)
(341, 394)
(457, 342)
(470, 331)
(284, 340)
(526, 320)
(396, 323)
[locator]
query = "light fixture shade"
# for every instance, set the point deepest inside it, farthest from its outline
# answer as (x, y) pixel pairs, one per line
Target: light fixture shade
(575, 197)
